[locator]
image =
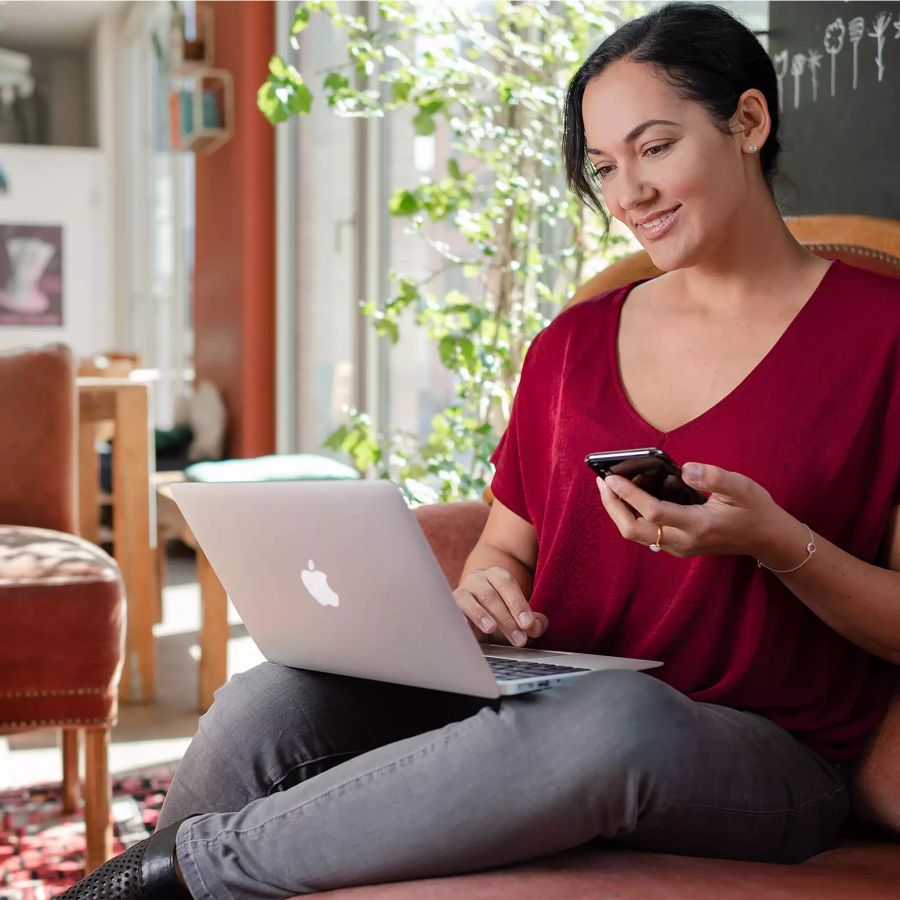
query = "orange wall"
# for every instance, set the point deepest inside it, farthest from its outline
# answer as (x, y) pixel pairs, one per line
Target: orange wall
(234, 281)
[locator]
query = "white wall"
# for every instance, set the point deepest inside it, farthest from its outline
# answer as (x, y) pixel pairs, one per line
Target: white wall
(102, 78)
(75, 186)
(66, 186)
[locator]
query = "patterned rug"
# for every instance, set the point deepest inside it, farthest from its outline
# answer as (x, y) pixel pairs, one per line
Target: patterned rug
(42, 849)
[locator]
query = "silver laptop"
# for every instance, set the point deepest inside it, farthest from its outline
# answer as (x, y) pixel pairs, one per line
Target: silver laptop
(338, 577)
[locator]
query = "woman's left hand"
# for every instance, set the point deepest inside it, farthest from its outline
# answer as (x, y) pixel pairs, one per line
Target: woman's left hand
(740, 516)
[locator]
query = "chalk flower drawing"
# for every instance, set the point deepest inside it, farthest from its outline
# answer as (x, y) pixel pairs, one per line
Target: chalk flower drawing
(814, 63)
(880, 26)
(798, 65)
(857, 30)
(834, 43)
(781, 65)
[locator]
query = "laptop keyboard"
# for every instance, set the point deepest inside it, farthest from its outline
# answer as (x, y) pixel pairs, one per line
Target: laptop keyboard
(512, 669)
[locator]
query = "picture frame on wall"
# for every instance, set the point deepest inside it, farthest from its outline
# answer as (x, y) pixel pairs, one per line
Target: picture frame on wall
(31, 267)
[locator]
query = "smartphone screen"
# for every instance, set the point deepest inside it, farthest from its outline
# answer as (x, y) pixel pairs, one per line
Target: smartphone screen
(651, 469)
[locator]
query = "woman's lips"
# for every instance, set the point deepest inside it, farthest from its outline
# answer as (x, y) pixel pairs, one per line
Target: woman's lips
(661, 225)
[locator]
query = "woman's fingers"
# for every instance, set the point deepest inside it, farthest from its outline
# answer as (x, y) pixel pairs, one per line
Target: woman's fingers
(495, 594)
(539, 626)
(637, 515)
(623, 516)
(731, 521)
(479, 618)
(512, 612)
(656, 512)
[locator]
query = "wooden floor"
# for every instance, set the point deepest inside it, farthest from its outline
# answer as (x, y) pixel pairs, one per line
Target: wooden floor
(154, 734)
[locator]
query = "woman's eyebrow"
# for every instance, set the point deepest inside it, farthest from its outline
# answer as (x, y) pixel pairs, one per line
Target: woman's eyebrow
(637, 131)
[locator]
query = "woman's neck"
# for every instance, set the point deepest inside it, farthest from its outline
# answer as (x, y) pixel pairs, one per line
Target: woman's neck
(759, 266)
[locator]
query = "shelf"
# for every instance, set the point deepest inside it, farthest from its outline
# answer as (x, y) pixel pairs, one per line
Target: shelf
(201, 109)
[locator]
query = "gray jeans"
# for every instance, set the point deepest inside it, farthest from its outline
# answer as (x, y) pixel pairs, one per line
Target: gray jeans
(306, 782)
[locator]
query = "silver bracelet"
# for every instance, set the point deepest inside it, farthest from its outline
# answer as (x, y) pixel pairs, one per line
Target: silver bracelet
(810, 549)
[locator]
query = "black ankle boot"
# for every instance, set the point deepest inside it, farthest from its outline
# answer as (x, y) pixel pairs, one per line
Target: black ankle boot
(145, 871)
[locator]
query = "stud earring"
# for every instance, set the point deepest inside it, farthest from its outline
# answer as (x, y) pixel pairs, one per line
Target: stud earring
(753, 148)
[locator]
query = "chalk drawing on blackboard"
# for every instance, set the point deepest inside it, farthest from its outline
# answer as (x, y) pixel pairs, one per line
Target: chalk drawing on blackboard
(798, 65)
(834, 43)
(880, 27)
(781, 66)
(897, 28)
(814, 63)
(857, 27)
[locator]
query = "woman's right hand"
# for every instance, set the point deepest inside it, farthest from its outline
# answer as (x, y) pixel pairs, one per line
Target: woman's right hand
(491, 599)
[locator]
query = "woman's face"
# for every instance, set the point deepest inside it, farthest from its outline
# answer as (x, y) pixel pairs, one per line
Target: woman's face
(685, 164)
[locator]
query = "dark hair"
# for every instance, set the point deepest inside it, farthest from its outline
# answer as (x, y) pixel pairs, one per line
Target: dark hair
(704, 53)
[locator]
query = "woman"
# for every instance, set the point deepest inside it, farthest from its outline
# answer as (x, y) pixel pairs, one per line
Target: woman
(773, 605)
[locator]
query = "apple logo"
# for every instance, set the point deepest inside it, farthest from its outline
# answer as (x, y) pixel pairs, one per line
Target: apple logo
(317, 584)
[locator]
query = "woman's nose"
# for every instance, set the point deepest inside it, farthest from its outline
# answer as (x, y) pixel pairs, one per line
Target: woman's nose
(635, 194)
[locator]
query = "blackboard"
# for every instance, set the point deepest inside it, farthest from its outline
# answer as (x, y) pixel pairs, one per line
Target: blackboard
(840, 152)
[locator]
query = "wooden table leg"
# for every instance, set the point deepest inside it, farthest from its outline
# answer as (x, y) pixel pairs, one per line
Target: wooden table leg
(97, 799)
(131, 535)
(161, 565)
(213, 632)
(88, 482)
(71, 777)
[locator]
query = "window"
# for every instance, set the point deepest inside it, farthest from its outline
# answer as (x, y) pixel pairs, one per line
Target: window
(157, 212)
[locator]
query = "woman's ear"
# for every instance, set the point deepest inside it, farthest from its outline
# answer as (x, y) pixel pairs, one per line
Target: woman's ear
(751, 122)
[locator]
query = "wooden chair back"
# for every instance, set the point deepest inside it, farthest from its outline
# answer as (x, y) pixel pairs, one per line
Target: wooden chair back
(865, 241)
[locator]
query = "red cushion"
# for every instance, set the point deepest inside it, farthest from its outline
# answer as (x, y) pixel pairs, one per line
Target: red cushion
(61, 645)
(452, 530)
(855, 870)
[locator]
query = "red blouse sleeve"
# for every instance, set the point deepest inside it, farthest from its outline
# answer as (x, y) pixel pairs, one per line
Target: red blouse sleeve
(508, 484)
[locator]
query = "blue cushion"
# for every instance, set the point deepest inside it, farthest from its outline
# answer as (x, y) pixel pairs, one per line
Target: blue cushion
(282, 467)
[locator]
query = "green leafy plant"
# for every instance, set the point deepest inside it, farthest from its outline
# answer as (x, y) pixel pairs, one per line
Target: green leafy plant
(494, 76)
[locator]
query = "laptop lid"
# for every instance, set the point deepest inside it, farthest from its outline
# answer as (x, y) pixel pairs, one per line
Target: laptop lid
(338, 577)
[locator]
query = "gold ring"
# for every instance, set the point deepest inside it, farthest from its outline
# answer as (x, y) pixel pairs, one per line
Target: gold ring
(659, 536)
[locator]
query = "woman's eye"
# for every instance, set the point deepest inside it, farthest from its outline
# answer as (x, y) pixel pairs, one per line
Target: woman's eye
(603, 171)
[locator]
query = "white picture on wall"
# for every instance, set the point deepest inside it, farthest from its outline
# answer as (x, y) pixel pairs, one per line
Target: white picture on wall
(31, 289)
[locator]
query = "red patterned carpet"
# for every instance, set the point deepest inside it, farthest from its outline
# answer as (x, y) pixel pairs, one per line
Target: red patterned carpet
(42, 850)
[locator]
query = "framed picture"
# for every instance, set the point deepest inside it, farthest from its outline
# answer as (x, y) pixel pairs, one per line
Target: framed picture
(31, 266)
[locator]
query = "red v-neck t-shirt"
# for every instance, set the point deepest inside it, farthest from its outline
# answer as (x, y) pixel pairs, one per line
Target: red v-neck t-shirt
(816, 422)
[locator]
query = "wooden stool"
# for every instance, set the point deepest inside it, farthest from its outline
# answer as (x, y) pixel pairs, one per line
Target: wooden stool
(213, 600)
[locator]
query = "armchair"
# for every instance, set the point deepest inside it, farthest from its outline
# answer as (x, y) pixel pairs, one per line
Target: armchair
(61, 602)
(865, 863)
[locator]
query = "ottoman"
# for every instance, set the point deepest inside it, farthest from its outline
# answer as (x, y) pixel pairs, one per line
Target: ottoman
(61, 654)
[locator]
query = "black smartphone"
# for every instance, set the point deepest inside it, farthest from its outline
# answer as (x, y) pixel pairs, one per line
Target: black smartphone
(652, 470)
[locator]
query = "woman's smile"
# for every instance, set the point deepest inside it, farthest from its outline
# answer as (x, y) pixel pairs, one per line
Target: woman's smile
(660, 226)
